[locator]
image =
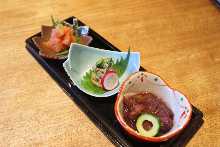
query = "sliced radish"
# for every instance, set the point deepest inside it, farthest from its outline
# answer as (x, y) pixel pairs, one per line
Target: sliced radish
(110, 80)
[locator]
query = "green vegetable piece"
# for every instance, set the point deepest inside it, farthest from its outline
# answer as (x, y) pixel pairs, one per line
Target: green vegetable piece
(153, 131)
(77, 37)
(53, 20)
(65, 52)
(104, 63)
(59, 23)
(56, 22)
(99, 63)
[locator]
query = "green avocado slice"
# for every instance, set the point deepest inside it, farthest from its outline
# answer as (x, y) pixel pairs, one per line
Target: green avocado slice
(153, 131)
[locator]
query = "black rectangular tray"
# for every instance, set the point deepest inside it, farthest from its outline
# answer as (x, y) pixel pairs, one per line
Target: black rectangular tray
(100, 111)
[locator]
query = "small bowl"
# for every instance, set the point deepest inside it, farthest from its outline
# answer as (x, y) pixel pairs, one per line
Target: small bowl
(149, 82)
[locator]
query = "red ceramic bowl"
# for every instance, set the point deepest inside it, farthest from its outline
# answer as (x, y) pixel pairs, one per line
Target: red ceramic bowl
(149, 82)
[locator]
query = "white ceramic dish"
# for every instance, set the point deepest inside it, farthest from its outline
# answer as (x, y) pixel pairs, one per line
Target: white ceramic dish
(82, 58)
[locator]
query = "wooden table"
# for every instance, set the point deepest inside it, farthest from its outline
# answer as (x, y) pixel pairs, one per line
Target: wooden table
(178, 39)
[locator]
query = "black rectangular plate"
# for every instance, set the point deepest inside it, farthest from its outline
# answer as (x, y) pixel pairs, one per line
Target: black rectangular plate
(100, 111)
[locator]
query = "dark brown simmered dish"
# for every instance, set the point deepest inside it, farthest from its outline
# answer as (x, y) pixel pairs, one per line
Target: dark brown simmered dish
(137, 104)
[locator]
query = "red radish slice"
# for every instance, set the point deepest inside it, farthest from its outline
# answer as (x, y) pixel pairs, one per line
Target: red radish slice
(110, 80)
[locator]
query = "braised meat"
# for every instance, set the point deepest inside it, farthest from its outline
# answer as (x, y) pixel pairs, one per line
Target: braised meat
(137, 104)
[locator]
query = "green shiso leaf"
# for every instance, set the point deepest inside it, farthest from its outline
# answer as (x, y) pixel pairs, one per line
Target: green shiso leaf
(121, 65)
(89, 86)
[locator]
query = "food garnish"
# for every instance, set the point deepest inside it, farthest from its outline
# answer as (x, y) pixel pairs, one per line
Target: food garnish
(110, 80)
(104, 76)
(55, 40)
(152, 125)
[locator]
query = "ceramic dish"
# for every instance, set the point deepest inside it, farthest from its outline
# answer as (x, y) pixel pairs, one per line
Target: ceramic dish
(82, 58)
(55, 40)
(149, 82)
